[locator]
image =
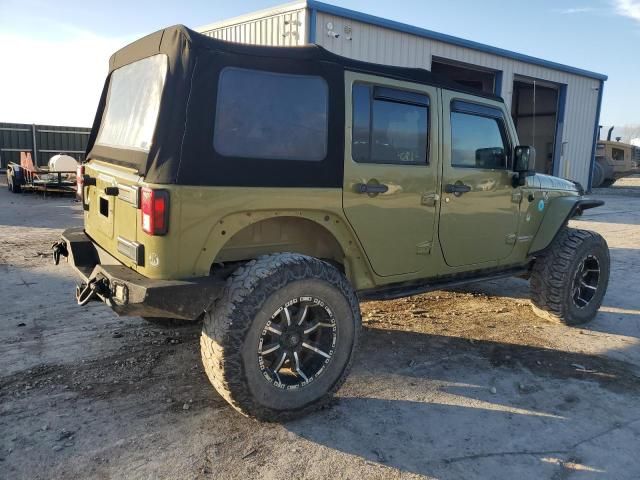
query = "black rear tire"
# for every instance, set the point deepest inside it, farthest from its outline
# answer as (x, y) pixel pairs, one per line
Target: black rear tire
(568, 281)
(279, 315)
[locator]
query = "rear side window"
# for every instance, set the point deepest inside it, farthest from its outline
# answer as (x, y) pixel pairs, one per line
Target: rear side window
(271, 115)
(389, 126)
(133, 103)
(478, 139)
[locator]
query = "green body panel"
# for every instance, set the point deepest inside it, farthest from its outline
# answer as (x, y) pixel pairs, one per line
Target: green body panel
(411, 232)
(205, 220)
(217, 217)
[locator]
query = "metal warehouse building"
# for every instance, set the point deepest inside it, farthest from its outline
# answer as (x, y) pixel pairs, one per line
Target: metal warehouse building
(555, 107)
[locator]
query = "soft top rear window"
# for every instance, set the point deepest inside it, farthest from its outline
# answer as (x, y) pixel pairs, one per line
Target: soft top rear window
(133, 102)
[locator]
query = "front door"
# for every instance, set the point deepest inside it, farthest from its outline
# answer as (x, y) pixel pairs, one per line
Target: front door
(479, 209)
(390, 170)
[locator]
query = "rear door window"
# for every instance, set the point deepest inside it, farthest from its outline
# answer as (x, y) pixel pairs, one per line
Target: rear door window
(133, 103)
(271, 115)
(389, 126)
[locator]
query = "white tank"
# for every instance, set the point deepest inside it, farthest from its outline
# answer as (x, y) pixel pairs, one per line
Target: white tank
(62, 163)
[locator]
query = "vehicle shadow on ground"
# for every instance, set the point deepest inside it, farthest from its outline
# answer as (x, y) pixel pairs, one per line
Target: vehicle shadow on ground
(418, 402)
(427, 404)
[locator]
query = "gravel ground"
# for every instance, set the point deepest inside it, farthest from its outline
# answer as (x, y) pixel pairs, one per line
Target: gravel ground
(457, 384)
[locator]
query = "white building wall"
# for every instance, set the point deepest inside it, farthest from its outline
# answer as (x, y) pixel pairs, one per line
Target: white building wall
(381, 45)
(284, 27)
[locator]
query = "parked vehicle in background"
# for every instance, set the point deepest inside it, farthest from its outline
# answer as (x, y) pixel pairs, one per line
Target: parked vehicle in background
(614, 160)
(58, 176)
(267, 190)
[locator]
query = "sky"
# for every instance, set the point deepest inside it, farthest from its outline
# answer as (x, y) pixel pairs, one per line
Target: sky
(54, 54)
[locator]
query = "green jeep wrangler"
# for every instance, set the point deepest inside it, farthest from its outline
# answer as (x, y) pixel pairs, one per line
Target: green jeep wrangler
(268, 190)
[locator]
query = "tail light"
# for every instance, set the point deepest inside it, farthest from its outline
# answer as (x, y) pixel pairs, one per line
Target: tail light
(155, 211)
(79, 181)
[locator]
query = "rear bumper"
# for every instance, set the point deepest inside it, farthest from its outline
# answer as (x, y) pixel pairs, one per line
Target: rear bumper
(126, 291)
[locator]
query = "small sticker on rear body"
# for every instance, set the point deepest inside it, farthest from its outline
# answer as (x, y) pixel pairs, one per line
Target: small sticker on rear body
(541, 205)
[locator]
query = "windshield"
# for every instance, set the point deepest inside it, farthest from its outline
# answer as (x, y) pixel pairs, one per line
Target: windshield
(133, 103)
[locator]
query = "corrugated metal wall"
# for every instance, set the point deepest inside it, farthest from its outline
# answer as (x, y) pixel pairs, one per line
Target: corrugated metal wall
(285, 29)
(381, 45)
(49, 139)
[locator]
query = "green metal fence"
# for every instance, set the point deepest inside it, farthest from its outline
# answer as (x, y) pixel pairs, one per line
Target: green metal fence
(43, 141)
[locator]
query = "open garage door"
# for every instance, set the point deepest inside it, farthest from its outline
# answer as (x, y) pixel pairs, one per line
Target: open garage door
(537, 109)
(470, 76)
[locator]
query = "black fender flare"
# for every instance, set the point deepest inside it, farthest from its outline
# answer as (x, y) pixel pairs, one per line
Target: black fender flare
(560, 212)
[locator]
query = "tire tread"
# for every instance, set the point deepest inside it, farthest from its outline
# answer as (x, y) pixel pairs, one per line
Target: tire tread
(549, 283)
(229, 319)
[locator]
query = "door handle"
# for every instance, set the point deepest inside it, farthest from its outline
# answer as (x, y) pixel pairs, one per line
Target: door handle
(374, 188)
(457, 188)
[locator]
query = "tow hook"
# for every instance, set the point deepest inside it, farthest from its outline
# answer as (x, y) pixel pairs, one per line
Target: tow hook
(59, 249)
(86, 292)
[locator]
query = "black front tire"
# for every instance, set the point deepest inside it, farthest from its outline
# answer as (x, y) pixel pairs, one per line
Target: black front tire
(232, 338)
(569, 280)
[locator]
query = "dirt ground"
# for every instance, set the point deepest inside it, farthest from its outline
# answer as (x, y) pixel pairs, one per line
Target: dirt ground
(459, 384)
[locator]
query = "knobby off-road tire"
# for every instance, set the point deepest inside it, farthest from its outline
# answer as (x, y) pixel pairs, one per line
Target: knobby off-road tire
(570, 279)
(253, 340)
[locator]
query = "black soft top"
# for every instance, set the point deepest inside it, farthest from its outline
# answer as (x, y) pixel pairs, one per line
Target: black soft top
(192, 62)
(181, 40)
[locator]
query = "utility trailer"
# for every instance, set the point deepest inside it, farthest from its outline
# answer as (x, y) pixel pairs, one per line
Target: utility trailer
(28, 177)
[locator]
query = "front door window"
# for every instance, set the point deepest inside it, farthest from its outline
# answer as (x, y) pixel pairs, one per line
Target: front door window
(477, 142)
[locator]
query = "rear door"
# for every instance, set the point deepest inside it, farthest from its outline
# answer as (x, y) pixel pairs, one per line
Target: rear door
(111, 210)
(390, 170)
(479, 209)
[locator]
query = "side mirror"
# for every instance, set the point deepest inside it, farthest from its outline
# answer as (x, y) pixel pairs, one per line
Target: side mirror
(524, 160)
